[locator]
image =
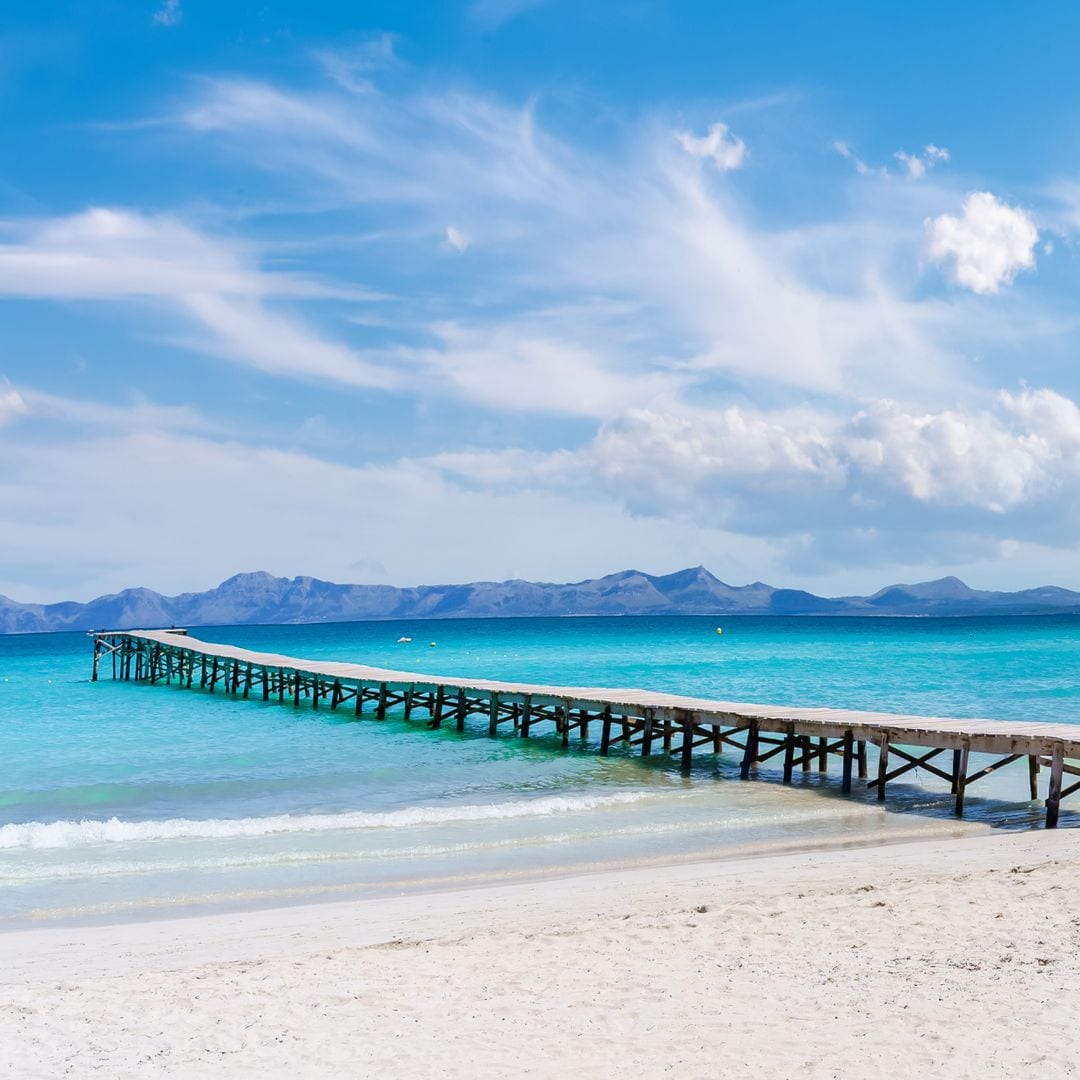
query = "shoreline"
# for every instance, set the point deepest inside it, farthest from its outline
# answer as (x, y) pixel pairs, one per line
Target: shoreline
(893, 945)
(232, 904)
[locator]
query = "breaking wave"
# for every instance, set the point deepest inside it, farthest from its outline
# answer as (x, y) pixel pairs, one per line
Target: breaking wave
(70, 834)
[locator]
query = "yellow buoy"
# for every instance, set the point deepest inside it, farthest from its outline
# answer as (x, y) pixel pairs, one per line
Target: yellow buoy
(431, 644)
(719, 629)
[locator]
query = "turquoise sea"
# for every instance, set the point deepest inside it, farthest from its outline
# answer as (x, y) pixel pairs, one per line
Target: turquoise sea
(120, 800)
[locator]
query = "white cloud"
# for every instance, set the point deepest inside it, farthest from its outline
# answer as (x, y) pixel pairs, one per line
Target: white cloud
(917, 165)
(349, 67)
(12, 403)
(987, 245)
(845, 151)
(169, 14)
(516, 367)
(725, 150)
(700, 286)
(53, 517)
(993, 460)
(491, 14)
(740, 467)
(139, 414)
(214, 285)
(457, 239)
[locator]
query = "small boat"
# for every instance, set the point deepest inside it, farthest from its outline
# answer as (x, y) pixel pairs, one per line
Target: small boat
(404, 640)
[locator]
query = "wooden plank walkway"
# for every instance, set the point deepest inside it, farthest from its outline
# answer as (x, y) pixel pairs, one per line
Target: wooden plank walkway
(643, 719)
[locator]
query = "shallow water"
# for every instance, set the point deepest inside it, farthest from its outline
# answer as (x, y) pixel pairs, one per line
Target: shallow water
(124, 800)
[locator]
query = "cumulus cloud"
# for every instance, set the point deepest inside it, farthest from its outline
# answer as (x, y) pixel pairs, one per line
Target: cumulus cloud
(987, 245)
(994, 460)
(723, 149)
(747, 468)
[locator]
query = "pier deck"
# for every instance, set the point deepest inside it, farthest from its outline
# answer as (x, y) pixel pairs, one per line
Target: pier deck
(643, 719)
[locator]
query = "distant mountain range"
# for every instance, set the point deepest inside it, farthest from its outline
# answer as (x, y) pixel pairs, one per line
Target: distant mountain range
(262, 598)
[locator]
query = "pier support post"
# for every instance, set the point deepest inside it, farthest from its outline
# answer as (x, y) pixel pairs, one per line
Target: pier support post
(359, 698)
(789, 753)
(1033, 775)
(408, 702)
(750, 750)
(380, 709)
(296, 689)
(860, 756)
(646, 734)
(823, 756)
(605, 732)
(526, 716)
(566, 725)
(1053, 796)
(213, 674)
(493, 716)
(97, 658)
(960, 776)
(687, 755)
(845, 782)
(883, 766)
(461, 710)
(437, 707)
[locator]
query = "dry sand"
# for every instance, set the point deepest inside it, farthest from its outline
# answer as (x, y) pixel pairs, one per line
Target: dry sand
(956, 958)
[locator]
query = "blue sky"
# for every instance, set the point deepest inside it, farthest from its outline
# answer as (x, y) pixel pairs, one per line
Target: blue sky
(436, 292)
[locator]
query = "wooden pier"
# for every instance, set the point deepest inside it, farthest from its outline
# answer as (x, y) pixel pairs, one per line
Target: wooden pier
(651, 722)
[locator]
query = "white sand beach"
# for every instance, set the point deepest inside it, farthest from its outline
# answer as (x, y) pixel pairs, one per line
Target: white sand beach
(946, 958)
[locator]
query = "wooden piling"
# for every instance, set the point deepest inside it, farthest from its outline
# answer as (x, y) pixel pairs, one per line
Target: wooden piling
(1053, 796)
(605, 733)
(687, 754)
(883, 766)
(789, 752)
(960, 778)
(647, 733)
(845, 781)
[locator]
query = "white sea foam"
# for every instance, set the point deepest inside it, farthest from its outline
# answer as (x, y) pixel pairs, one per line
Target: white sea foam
(71, 834)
